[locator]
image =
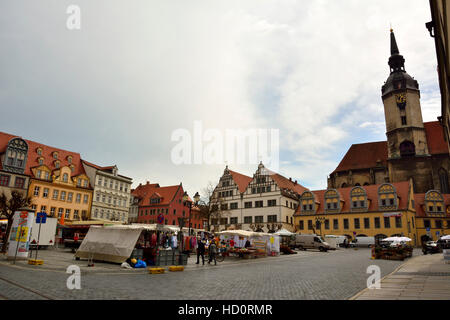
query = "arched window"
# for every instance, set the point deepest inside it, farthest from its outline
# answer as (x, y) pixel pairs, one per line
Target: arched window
(307, 202)
(65, 177)
(332, 201)
(358, 199)
(407, 149)
(387, 197)
(434, 203)
(15, 156)
(443, 180)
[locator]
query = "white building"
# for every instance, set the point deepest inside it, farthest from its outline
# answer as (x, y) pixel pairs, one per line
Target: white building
(265, 202)
(111, 199)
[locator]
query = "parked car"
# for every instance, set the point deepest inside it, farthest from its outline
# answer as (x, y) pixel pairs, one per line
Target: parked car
(431, 247)
(364, 241)
(309, 241)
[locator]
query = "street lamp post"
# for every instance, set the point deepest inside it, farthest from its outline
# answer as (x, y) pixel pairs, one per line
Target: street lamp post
(189, 204)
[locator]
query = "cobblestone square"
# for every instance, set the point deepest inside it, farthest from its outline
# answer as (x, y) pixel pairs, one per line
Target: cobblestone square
(307, 275)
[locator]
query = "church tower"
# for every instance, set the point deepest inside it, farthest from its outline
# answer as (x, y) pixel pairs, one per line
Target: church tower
(401, 98)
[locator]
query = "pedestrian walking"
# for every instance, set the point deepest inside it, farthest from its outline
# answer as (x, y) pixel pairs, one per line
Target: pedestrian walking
(212, 252)
(201, 250)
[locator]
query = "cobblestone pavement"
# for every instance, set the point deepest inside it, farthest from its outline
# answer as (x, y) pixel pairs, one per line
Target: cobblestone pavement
(425, 277)
(308, 275)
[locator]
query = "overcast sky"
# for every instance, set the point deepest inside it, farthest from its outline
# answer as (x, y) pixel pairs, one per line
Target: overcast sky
(116, 89)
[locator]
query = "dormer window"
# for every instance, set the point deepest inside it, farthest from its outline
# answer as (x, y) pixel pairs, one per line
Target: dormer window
(65, 177)
(39, 151)
(69, 159)
(307, 202)
(358, 199)
(434, 203)
(41, 161)
(387, 197)
(57, 164)
(55, 155)
(332, 201)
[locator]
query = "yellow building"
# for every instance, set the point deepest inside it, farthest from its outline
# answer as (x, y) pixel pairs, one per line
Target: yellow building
(433, 215)
(378, 211)
(59, 185)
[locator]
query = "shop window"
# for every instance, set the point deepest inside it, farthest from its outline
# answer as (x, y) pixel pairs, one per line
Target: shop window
(356, 220)
(366, 223)
(335, 224)
(398, 222)
(346, 224)
(377, 223)
(301, 225)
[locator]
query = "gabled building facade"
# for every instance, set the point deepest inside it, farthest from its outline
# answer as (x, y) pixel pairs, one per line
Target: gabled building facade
(153, 200)
(266, 202)
(111, 192)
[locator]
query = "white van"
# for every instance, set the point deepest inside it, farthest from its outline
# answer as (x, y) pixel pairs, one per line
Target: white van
(364, 241)
(310, 241)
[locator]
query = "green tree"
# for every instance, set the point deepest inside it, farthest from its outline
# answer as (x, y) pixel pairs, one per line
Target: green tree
(8, 206)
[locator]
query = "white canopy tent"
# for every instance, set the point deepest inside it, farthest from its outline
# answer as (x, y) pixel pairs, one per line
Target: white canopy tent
(272, 239)
(447, 237)
(115, 243)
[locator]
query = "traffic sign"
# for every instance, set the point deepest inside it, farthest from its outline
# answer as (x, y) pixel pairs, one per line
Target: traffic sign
(41, 217)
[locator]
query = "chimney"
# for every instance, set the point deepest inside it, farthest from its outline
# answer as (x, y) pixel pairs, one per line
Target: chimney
(148, 182)
(295, 181)
(290, 179)
(140, 184)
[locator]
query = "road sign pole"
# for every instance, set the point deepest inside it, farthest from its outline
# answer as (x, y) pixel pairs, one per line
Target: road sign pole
(39, 235)
(19, 229)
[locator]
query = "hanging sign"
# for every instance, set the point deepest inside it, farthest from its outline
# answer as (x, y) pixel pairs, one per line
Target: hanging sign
(160, 218)
(272, 240)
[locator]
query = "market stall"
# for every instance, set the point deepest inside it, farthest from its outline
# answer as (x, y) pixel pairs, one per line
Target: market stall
(394, 248)
(248, 244)
(154, 244)
(286, 237)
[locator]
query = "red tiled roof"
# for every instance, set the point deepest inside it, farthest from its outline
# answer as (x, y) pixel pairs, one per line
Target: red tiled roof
(241, 180)
(97, 166)
(146, 191)
(402, 189)
(419, 203)
(284, 183)
(366, 155)
(363, 156)
(47, 154)
(435, 138)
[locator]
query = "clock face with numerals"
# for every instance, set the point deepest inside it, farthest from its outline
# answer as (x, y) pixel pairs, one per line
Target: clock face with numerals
(401, 100)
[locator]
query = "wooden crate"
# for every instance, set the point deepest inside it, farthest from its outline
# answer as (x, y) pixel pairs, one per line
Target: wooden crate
(176, 268)
(155, 270)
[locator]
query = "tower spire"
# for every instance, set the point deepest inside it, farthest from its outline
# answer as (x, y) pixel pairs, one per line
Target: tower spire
(394, 47)
(396, 61)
